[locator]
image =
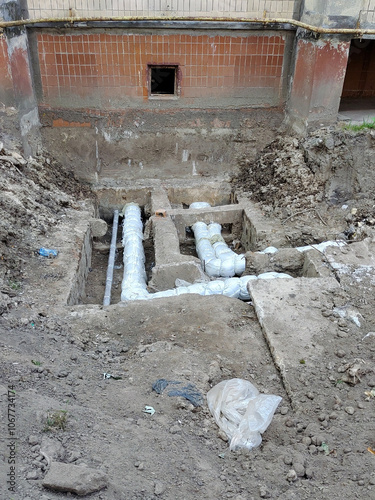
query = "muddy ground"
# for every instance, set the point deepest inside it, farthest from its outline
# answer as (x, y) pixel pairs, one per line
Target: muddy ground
(321, 440)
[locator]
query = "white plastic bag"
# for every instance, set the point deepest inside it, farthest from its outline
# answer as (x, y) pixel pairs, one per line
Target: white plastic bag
(241, 412)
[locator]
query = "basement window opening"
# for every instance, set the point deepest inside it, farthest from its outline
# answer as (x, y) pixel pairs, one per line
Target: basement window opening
(163, 80)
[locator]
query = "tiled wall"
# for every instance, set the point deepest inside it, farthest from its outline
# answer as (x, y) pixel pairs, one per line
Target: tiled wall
(107, 69)
(6, 85)
(208, 8)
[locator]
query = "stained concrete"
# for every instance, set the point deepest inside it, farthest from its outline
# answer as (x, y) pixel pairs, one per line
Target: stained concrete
(290, 313)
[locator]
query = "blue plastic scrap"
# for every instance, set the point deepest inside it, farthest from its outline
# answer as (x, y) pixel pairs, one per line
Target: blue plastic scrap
(189, 392)
(47, 252)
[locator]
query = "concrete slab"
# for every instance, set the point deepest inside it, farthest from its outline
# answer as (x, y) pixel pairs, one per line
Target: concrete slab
(290, 313)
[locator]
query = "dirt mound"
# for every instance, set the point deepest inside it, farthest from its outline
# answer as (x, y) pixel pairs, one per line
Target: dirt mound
(279, 177)
(34, 196)
(293, 174)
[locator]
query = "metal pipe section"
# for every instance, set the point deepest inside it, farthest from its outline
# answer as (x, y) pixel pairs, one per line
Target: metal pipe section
(74, 22)
(111, 261)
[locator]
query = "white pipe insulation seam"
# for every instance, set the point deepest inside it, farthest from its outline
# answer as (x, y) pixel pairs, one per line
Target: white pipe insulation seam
(216, 257)
(134, 285)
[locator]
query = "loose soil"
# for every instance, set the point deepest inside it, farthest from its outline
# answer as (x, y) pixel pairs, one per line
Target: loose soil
(55, 357)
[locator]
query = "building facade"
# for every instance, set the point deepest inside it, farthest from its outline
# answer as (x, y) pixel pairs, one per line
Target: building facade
(205, 68)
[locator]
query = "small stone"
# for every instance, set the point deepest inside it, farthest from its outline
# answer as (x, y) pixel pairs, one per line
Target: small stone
(313, 449)
(371, 382)
(264, 493)
(340, 353)
(292, 476)
(222, 435)
(326, 313)
(288, 460)
(349, 410)
(333, 416)
(98, 227)
(306, 440)
(317, 440)
(309, 473)
(299, 468)
(33, 475)
(159, 488)
(284, 410)
(73, 456)
(341, 334)
(361, 482)
(310, 395)
(175, 429)
(74, 478)
(33, 440)
(361, 405)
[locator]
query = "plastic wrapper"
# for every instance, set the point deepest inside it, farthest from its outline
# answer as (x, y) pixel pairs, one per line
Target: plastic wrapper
(134, 284)
(241, 412)
(244, 293)
(273, 275)
(232, 288)
(239, 264)
(269, 250)
(227, 268)
(212, 267)
(199, 204)
(322, 246)
(214, 288)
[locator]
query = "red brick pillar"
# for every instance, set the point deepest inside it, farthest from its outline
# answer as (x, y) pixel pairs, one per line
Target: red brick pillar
(21, 74)
(316, 81)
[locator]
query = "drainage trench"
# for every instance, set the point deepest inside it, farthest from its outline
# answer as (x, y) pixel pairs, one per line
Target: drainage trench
(169, 243)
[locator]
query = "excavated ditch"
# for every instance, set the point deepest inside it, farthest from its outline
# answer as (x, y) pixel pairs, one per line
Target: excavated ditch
(308, 339)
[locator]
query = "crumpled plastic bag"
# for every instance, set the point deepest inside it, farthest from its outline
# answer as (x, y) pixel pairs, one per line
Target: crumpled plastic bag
(241, 411)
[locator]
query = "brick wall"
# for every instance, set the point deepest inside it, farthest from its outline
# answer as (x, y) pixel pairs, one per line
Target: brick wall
(6, 85)
(108, 70)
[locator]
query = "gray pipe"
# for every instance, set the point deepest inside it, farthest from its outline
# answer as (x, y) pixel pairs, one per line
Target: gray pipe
(111, 261)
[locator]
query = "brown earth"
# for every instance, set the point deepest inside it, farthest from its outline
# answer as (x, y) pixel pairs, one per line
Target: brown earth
(54, 357)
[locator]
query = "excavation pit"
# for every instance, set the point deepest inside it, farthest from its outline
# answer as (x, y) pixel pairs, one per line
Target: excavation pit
(169, 243)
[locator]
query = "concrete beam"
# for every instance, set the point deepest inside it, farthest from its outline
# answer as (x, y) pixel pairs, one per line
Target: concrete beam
(290, 313)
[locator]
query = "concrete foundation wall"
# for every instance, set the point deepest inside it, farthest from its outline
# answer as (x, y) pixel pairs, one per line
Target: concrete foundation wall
(113, 147)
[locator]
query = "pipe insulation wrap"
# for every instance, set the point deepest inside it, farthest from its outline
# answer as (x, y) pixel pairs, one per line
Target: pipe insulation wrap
(111, 261)
(216, 257)
(134, 284)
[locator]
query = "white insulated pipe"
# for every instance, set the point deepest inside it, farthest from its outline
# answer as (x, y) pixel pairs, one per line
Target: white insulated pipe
(216, 257)
(134, 285)
(111, 261)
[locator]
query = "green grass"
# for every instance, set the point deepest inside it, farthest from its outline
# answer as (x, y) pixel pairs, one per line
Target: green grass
(56, 420)
(362, 126)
